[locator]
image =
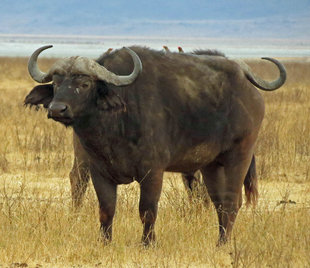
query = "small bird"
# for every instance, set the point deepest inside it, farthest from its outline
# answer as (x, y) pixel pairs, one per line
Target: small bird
(180, 50)
(108, 51)
(166, 49)
(104, 54)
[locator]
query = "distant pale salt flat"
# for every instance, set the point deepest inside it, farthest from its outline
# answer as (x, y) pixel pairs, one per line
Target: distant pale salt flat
(23, 46)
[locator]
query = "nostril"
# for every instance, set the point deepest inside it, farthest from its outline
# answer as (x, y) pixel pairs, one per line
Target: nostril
(63, 108)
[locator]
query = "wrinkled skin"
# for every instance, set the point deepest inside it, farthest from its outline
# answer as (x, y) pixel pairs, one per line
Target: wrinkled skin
(182, 114)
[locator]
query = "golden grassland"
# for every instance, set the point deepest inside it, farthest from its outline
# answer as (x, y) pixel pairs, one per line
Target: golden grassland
(38, 227)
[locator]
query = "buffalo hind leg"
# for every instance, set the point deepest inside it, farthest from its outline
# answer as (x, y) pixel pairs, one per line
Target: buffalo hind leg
(195, 188)
(79, 178)
(150, 189)
(188, 181)
(224, 179)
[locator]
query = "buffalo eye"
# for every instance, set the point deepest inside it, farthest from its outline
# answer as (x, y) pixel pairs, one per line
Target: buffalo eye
(86, 85)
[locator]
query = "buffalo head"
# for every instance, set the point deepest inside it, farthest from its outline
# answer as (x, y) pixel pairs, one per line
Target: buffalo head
(77, 84)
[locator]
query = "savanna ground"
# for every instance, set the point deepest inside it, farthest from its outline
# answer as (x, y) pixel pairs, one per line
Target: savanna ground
(38, 227)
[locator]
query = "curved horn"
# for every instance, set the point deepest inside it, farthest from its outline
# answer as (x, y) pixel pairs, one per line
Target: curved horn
(262, 84)
(121, 80)
(33, 68)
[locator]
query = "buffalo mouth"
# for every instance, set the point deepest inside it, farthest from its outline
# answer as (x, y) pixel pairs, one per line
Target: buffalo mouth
(67, 121)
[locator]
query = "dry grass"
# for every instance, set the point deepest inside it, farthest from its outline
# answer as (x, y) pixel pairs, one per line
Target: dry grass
(38, 227)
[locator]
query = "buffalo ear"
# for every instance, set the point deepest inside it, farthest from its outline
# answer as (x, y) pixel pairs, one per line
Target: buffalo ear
(42, 94)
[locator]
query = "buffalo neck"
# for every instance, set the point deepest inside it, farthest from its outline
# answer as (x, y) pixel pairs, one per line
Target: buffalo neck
(111, 141)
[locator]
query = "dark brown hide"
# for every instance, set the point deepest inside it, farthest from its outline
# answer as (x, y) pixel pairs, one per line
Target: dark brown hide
(79, 175)
(183, 113)
(210, 52)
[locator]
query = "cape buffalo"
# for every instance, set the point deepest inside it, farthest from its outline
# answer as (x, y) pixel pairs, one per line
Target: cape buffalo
(181, 113)
(80, 174)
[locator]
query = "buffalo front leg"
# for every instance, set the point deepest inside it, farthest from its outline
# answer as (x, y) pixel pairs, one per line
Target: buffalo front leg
(224, 179)
(106, 193)
(150, 189)
(79, 177)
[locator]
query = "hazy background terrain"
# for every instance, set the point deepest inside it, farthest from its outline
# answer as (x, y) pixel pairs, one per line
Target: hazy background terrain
(239, 28)
(196, 18)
